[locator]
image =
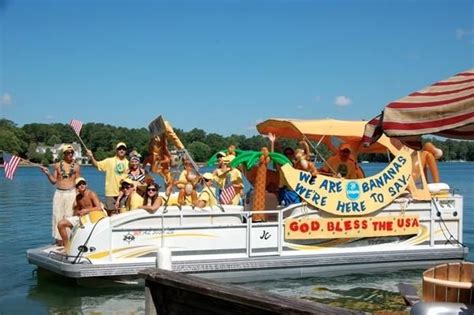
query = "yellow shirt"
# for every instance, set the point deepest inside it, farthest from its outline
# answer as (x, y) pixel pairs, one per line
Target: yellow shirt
(115, 170)
(237, 181)
(134, 201)
(208, 194)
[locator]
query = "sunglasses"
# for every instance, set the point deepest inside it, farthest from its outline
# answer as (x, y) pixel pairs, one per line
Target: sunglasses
(126, 186)
(80, 183)
(122, 149)
(69, 152)
(151, 189)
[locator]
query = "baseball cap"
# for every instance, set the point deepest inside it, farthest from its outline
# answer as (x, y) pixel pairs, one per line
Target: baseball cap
(67, 147)
(120, 144)
(207, 176)
(79, 179)
(345, 146)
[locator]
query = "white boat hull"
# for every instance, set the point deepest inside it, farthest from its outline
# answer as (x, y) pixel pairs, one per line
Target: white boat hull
(228, 245)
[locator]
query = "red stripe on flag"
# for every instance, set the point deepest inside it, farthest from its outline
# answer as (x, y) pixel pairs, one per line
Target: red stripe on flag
(76, 125)
(441, 93)
(11, 166)
(389, 126)
(227, 194)
(430, 104)
(452, 82)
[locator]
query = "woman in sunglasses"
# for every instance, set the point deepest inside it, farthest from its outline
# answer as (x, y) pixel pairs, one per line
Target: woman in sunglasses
(152, 201)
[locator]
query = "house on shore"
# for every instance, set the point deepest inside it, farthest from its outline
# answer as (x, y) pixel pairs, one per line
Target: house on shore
(58, 148)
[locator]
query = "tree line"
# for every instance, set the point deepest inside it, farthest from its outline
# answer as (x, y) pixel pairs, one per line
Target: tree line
(101, 139)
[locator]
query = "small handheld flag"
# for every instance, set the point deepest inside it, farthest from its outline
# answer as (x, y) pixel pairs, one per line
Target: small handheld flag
(227, 194)
(10, 162)
(76, 125)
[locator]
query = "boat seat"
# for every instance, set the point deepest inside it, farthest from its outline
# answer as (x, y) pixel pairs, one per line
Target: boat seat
(438, 189)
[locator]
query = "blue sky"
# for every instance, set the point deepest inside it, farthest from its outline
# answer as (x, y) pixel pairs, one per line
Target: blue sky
(223, 65)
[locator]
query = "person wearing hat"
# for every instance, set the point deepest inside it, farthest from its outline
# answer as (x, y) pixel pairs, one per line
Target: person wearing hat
(86, 202)
(116, 169)
(225, 176)
(63, 176)
(131, 199)
(137, 174)
(343, 164)
(208, 195)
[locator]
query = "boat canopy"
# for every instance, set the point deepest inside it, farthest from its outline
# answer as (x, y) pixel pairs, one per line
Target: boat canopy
(316, 129)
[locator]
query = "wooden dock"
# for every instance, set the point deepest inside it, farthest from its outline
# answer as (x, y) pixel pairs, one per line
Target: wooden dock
(169, 292)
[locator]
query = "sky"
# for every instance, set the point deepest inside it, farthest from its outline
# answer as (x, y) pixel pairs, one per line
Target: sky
(223, 66)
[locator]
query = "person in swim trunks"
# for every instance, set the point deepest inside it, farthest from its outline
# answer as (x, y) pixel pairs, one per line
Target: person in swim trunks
(86, 201)
(63, 176)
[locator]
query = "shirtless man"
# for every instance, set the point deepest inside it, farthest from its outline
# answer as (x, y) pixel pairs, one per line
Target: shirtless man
(64, 174)
(86, 201)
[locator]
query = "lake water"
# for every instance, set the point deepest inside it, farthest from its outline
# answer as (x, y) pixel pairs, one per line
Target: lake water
(25, 222)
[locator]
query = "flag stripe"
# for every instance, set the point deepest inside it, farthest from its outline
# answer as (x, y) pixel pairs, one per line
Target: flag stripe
(76, 125)
(399, 127)
(227, 194)
(401, 105)
(445, 108)
(452, 82)
(10, 163)
(440, 93)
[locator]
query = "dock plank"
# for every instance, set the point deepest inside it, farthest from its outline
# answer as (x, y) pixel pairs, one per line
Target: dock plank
(177, 293)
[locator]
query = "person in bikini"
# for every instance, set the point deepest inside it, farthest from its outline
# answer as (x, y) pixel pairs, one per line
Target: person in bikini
(63, 176)
(138, 175)
(86, 201)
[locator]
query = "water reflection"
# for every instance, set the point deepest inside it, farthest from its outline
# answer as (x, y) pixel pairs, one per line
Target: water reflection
(59, 295)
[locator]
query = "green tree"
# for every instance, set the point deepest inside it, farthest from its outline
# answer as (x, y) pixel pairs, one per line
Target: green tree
(9, 142)
(54, 139)
(199, 151)
(47, 157)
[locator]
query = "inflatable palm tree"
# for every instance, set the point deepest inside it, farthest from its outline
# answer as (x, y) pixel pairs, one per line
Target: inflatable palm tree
(259, 159)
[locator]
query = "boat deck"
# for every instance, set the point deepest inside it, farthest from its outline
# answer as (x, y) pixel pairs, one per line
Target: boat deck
(260, 268)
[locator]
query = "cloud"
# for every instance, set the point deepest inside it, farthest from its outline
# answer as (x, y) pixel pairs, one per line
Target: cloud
(6, 100)
(463, 33)
(342, 101)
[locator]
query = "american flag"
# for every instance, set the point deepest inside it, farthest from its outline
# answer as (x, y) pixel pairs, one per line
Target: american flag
(76, 125)
(10, 162)
(443, 109)
(227, 194)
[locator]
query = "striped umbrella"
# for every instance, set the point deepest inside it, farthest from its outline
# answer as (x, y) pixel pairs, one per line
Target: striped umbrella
(445, 109)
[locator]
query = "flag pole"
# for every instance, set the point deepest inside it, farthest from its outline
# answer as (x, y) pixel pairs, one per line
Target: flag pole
(82, 142)
(76, 126)
(31, 163)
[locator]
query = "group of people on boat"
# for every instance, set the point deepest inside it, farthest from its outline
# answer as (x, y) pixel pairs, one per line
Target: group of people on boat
(129, 186)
